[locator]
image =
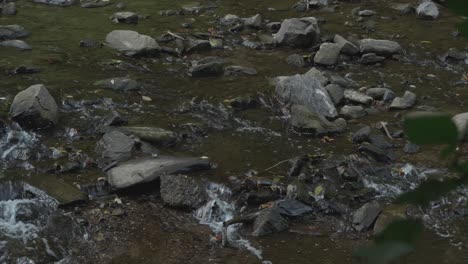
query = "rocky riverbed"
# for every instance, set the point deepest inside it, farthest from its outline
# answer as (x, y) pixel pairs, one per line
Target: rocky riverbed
(222, 131)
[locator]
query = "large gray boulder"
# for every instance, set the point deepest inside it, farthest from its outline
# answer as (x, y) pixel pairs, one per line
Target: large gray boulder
(131, 43)
(364, 217)
(298, 32)
(305, 90)
(269, 221)
(327, 54)
(183, 191)
(461, 121)
(115, 146)
(379, 46)
(428, 10)
(34, 108)
(13, 32)
(148, 169)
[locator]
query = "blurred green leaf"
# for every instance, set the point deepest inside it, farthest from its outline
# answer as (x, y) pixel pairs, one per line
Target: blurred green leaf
(403, 230)
(460, 7)
(383, 253)
(425, 128)
(429, 190)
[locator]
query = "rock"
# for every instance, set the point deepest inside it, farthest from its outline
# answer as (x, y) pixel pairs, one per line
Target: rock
(336, 93)
(296, 60)
(273, 27)
(13, 32)
(411, 148)
(9, 9)
(61, 191)
(380, 141)
(353, 111)
(305, 90)
(95, 3)
(239, 70)
(315, 73)
(19, 44)
(196, 45)
(120, 5)
(379, 47)
(388, 215)
(366, 13)
(293, 208)
(115, 146)
(306, 121)
(253, 22)
(131, 43)
(357, 97)
(384, 94)
(89, 43)
(364, 217)
(327, 54)
(34, 108)
(404, 8)
(361, 135)
(55, 2)
(182, 191)
(298, 32)
(376, 153)
(119, 84)
(232, 22)
(125, 17)
(269, 221)
(371, 58)
(154, 135)
(407, 101)
(461, 122)
(112, 119)
(346, 46)
(343, 82)
(427, 10)
(148, 169)
(455, 54)
(244, 102)
(208, 69)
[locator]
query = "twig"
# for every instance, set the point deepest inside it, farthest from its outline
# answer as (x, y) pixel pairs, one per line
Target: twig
(175, 35)
(384, 126)
(274, 166)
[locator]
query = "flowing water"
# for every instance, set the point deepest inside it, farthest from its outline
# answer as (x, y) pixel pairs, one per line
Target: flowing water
(255, 140)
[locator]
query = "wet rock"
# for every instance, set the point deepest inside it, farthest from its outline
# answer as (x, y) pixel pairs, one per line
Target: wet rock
(9, 9)
(383, 94)
(346, 46)
(364, 217)
(55, 2)
(306, 121)
(361, 135)
(298, 32)
(428, 10)
(13, 32)
(61, 191)
(273, 27)
(34, 107)
(379, 47)
(182, 191)
(119, 84)
(253, 22)
(371, 58)
(357, 97)
(112, 119)
(148, 169)
(317, 74)
(125, 17)
(404, 8)
(461, 122)
(196, 45)
(115, 146)
(327, 54)
(305, 90)
(353, 111)
(343, 82)
(269, 221)
(154, 135)
(252, 44)
(131, 43)
(19, 44)
(293, 208)
(242, 103)
(239, 71)
(296, 60)
(89, 43)
(366, 13)
(387, 216)
(232, 22)
(411, 148)
(95, 3)
(207, 67)
(336, 93)
(380, 141)
(376, 153)
(407, 101)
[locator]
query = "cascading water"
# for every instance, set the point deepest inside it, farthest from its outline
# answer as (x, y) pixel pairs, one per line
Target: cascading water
(220, 209)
